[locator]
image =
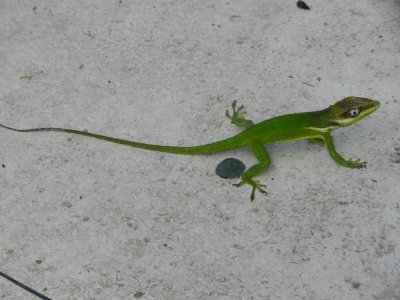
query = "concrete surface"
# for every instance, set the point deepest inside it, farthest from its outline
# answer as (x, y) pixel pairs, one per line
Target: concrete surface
(85, 219)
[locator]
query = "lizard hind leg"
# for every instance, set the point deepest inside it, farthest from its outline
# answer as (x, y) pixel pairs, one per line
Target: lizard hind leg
(264, 161)
(237, 117)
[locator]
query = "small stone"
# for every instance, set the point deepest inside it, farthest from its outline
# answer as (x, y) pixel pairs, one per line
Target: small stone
(230, 168)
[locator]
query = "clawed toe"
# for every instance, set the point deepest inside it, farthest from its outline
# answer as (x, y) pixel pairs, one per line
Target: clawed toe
(238, 184)
(241, 110)
(253, 194)
(263, 191)
(356, 163)
(234, 105)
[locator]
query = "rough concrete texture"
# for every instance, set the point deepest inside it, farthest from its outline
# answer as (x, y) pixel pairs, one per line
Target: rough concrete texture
(86, 219)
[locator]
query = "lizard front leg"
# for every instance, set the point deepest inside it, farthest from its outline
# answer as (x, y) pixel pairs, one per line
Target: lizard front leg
(264, 161)
(338, 158)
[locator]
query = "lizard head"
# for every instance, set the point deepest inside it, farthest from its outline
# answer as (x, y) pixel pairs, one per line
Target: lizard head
(351, 110)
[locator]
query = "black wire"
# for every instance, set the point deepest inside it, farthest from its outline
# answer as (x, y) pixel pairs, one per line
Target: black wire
(27, 288)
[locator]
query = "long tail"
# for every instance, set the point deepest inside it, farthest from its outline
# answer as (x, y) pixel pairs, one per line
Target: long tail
(220, 146)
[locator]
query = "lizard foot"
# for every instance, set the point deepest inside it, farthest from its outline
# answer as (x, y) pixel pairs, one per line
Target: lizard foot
(238, 114)
(256, 186)
(356, 164)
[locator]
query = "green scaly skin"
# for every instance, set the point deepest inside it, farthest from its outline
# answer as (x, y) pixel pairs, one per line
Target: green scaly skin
(315, 126)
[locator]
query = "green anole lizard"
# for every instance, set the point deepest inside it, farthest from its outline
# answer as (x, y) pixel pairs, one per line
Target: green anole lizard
(315, 126)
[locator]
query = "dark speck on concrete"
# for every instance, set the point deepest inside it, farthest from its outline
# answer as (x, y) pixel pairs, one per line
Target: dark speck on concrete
(302, 5)
(67, 204)
(138, 294)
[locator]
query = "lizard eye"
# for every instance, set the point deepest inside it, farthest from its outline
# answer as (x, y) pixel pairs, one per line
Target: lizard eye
(354, 112)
